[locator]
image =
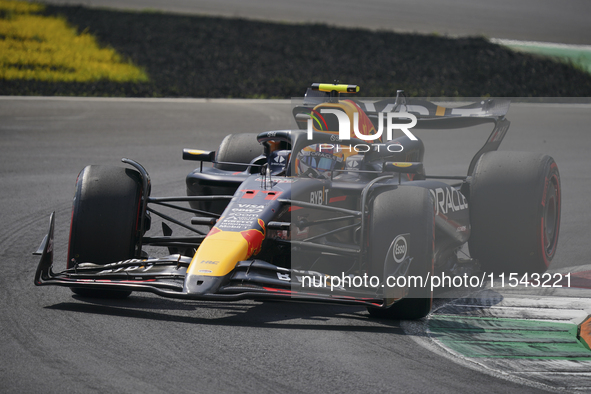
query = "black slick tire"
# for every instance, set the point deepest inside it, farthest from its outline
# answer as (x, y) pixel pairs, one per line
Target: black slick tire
(514, 212)
(407, 212)
(105, 220)
(238, 148)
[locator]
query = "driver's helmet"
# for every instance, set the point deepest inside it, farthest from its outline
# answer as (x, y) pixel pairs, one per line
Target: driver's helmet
(320, 160)
(331, 159)
(328, 123)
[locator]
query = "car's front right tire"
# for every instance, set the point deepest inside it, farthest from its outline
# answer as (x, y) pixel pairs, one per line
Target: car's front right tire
(105, 220)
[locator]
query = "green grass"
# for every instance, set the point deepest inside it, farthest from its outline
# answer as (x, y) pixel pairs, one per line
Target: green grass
(575, 55)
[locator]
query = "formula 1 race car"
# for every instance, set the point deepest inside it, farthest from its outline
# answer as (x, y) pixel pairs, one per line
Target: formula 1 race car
(336, 211)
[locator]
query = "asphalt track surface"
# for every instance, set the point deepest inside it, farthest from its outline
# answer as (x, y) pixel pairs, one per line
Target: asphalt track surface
(565, 21)
(55, 342)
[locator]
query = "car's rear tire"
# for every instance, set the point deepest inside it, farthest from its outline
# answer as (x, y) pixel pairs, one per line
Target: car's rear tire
(238, 148)
(514, 204)
(235, 148)
(105, 220)
(405, 211)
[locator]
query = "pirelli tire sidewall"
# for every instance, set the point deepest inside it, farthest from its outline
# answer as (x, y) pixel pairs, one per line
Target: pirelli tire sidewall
(515, 202)
(105, 219)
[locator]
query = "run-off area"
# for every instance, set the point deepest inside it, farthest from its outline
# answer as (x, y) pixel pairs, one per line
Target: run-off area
(543, 337)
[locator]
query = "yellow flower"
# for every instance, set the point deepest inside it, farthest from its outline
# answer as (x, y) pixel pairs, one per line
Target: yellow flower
(48, 49)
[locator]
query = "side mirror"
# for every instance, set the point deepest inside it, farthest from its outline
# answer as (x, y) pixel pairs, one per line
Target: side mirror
(198, 155)
(403, 167)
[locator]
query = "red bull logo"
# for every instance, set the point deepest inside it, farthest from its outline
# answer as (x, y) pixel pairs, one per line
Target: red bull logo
(213, 231)
(227, 248)
(254, 238)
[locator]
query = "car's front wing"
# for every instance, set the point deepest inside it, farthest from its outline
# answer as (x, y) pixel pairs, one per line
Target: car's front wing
(251, 279)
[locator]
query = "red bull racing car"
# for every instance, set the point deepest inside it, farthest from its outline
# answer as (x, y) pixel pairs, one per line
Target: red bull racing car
(339, 210)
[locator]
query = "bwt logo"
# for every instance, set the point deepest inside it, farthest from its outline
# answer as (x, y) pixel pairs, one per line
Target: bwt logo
(345, 125)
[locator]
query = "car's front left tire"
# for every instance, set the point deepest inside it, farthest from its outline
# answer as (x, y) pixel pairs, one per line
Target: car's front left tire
(406, 212)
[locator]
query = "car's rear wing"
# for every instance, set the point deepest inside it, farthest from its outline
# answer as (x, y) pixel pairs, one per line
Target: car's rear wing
(440, 114)
(487, 110)
(434, 116)
(449, 114)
